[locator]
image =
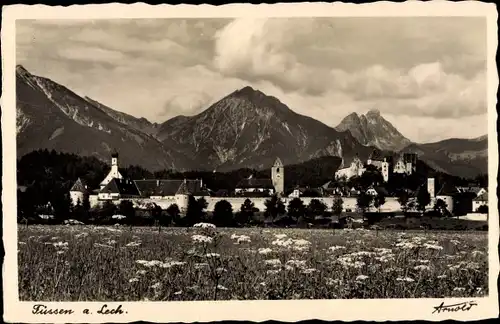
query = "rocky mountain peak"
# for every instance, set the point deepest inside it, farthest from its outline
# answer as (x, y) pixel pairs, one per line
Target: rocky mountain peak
(22, 72)
(374, 130)
(374, 113)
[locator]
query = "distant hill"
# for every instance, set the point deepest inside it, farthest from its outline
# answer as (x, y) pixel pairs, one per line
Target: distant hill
(461, 157)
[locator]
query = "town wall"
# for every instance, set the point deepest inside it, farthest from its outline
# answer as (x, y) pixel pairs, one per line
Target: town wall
(349, 203)
(391, 204)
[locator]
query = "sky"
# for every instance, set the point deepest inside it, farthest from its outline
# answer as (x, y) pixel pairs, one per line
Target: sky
(426, 75)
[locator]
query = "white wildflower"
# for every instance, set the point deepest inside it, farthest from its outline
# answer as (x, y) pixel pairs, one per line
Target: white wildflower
(333, 282)
(273, 271)
(135, 279)
(273, 262)
(204, 225)
(383, 251)
(308, 271)
(178, 292)
(407, 279)
(156, 285)
(265, 251)
(171, 264)
(301, 242)
(221, 287)
(296, 263)
(102, 245)
(133, 244)
(335, 248)
(361, 278)
(200, 265)
(202, 239)
(60, 244)
(422, 267)
(212, 255)
(244, 239)
(280, 236)
(433, 247)
(406, 245)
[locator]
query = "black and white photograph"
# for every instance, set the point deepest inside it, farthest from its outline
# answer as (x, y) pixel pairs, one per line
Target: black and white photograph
(250, 157)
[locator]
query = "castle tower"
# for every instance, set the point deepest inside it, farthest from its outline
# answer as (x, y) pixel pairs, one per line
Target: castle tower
(431, 187)
(78, 192)
(278, 176)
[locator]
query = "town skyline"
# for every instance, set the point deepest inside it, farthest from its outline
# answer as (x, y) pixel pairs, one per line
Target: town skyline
(414, 79)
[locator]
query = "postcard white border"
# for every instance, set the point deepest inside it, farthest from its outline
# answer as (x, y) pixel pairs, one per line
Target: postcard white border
(293, 310)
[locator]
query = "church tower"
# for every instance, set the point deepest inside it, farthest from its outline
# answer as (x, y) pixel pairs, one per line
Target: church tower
(278, 177)
(114, 173)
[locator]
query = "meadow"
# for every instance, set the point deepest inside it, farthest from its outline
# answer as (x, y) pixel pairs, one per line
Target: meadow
(116, 263)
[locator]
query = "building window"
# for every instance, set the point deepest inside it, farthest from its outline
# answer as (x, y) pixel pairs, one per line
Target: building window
(278, 170)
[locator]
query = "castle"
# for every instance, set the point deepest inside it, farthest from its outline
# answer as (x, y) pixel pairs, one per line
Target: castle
(405, 163)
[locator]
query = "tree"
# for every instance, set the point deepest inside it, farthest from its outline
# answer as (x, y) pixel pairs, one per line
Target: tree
(363, 202)
(126, 208)
(337, 206)
(202, 203)
(378, 201)
(441, 207)
(274, 207)
(86, 204)
(173, 212)
(247, 211)
(108, 209)
(371, 176)
(61, 203)
(316, 208)
(194, 212)
(296, 208)
(157, 214)
(403, 199)
(25, 204)
(223, 213)
(483, 209)
(77, 210)
(423, 199)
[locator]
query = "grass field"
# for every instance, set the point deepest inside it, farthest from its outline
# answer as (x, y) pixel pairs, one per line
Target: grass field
(87, 263)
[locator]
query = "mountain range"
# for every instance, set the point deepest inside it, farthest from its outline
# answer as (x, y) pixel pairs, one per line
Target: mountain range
(245, 129)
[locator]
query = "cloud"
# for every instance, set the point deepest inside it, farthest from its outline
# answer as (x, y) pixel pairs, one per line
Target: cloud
(90, 53)
(419, 71)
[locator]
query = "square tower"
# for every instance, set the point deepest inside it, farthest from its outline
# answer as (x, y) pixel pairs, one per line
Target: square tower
(278, 176)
